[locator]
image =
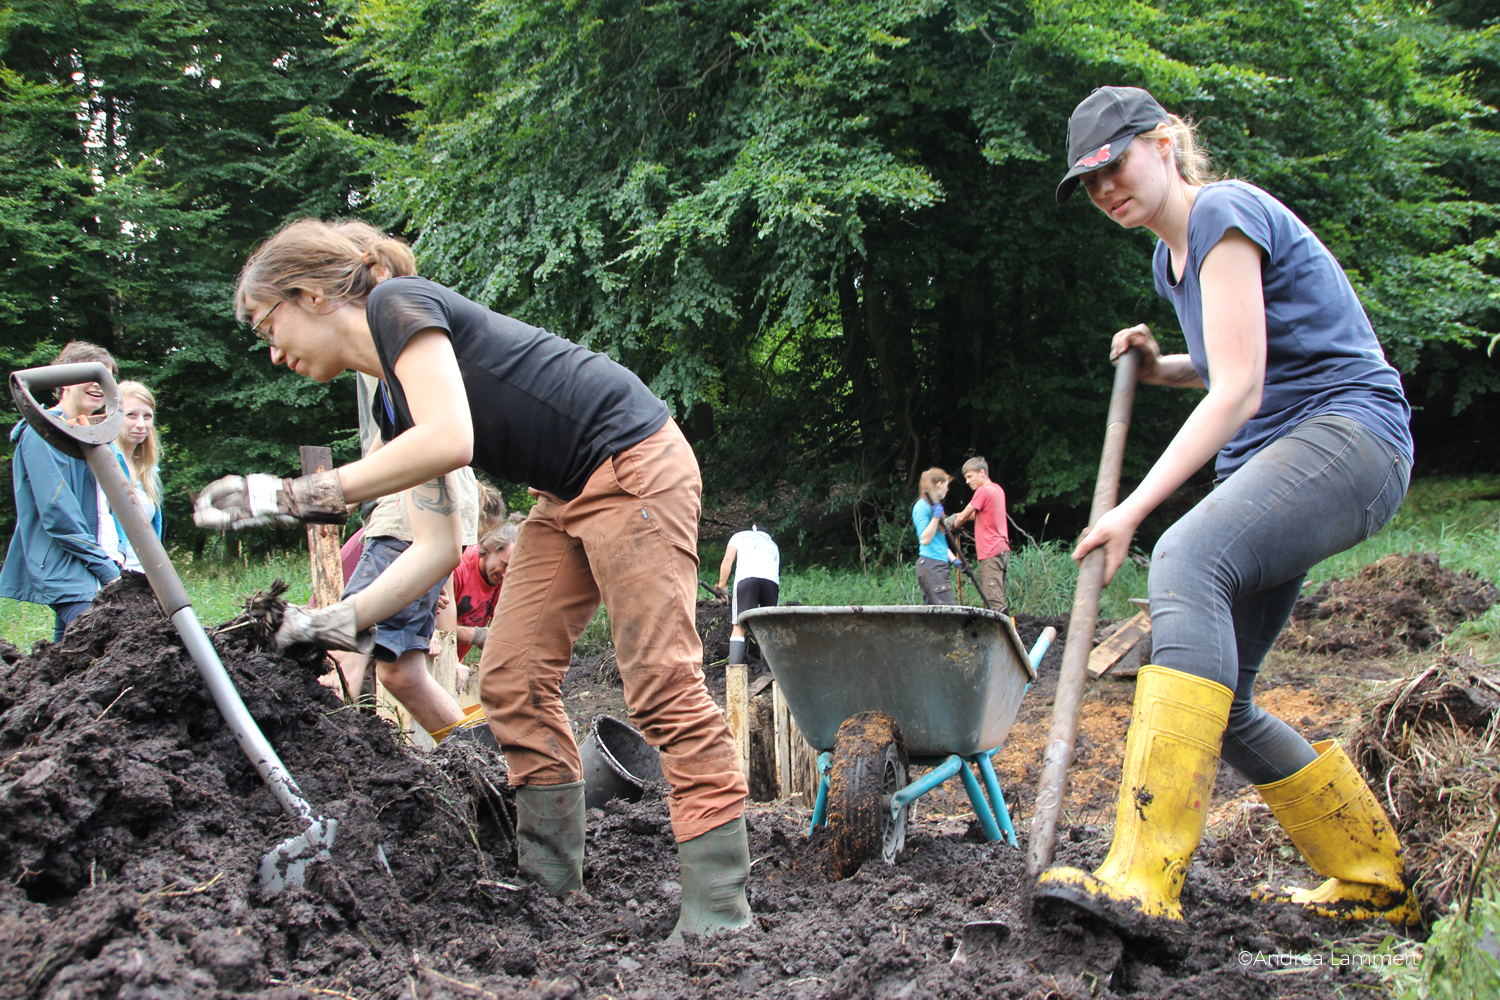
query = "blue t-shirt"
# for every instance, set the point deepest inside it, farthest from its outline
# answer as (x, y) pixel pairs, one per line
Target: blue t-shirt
(921, 516)
(1321, 352)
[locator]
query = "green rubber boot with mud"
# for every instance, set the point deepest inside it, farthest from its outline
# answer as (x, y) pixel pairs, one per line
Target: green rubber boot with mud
(1171, 757)
(1343, 834)
(549, 836)
(715, 867)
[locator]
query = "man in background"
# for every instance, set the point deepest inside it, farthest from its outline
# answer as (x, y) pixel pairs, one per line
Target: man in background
(991, 535)
(757, 580)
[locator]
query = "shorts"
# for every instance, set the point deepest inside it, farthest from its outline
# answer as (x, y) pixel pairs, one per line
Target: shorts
(412, 626)
(753, 592)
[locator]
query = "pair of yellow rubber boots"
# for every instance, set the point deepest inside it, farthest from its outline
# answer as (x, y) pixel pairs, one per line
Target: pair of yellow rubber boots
(1171, 758)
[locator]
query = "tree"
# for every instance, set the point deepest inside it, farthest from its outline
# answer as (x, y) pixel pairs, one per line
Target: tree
(826, 233)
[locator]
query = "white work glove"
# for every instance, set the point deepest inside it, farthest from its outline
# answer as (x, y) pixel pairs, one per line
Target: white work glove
(256, 500)
(333, 627)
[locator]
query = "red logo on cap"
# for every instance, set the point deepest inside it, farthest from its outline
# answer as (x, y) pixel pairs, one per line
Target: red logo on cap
(1100, 157)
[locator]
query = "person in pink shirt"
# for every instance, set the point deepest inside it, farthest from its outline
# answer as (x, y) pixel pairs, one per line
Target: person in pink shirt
(991, 536)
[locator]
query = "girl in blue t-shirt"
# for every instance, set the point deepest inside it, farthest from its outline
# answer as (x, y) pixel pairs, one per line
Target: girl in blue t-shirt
(1309, 429)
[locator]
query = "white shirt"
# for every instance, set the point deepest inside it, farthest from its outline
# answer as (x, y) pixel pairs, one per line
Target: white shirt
(755, 555)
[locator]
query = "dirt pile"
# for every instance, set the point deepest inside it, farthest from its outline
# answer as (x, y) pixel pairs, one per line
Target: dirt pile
(1398, 604)
(1429, 749)
(131, 825)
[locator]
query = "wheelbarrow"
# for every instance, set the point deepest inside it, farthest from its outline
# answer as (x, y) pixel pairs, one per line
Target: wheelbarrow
(878, 689)
(286, 863)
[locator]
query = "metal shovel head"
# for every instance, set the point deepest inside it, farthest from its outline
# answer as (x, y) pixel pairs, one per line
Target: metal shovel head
(286, 863)
(980, 941)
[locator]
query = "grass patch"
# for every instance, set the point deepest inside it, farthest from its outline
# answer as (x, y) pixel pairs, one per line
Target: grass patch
(217, 589)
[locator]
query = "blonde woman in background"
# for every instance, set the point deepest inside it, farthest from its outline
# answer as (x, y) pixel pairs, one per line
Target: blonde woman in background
(139, 450)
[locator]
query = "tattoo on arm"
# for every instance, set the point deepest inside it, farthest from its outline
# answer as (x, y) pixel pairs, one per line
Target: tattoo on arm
(435, 496)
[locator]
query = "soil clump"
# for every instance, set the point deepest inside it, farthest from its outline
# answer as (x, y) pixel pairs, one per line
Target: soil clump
(1400, 603)
(131, 826)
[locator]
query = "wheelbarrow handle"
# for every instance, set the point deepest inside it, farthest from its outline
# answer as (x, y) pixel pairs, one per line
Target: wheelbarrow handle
(92, 444)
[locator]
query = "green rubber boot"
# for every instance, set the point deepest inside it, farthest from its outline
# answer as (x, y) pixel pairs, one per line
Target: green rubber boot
(714, 869)
(549, 835)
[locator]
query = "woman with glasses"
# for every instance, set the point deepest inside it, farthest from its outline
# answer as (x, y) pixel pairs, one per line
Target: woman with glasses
(1309, 430)
(616, 520)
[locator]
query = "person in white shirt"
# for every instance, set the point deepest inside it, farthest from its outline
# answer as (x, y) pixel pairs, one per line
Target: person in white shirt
(757, 580)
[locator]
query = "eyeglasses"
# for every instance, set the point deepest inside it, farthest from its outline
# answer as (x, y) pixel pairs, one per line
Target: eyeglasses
(256, 329)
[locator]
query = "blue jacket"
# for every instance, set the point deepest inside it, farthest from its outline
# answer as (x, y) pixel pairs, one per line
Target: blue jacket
(55, 556)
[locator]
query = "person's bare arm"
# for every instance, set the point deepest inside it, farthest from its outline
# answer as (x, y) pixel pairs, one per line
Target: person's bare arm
(1156, 368)
(437, 545)
(726, 565)
(442, 439)
(447, 616)
(1234, 338)
(930, 532)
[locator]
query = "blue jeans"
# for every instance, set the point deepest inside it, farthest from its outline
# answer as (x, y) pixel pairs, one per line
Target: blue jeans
(65, 614)
(1225, 577)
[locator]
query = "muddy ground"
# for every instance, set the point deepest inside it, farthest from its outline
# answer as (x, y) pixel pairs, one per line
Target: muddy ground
(131, 825)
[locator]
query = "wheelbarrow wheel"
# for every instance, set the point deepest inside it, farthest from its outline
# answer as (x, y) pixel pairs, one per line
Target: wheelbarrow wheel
(869, 767)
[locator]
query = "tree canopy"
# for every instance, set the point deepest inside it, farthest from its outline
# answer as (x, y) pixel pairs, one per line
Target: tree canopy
(824, 233)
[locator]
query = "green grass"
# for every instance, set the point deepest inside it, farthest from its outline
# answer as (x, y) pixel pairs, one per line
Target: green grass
(217, 589)
(1457, 518)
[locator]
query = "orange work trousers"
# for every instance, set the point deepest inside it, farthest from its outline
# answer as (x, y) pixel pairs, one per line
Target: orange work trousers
(629, 539)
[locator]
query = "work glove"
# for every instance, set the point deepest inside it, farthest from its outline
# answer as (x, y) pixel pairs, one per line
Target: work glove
(958, 561)
(721, 593)
(481, 633)
(950, 521)
(333, 627)
(937, 511)
(256, 500)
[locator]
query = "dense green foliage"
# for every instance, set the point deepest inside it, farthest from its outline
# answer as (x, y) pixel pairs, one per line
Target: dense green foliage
(143, 156)
(825, 233)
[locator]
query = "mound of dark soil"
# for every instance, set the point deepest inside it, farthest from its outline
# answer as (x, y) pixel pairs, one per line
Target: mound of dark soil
(1398, 604)
(131, 826)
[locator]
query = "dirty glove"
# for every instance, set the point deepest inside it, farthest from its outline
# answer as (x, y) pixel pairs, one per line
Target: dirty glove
(721, 593)
(950, 520)
(332, 627)
(252, 501)
(481, 633)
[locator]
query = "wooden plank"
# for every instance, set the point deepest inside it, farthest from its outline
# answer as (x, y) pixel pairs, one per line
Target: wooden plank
(805, 776)
(323, 540)
(444, 666)
(760, 684)
(1119, 643)
(783, 722)
(737, 709)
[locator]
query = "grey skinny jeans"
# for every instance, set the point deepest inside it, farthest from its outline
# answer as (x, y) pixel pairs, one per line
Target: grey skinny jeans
(1224, 578)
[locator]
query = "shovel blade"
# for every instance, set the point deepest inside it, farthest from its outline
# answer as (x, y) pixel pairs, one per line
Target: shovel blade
(286, 863)
(980, 941)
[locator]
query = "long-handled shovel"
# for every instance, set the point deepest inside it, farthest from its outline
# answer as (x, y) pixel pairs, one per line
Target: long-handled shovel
(963, 563)
(1059, 754)
(286, 864)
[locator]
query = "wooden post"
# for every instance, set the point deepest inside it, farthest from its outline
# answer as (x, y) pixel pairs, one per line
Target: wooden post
(444, 666)
(797, 775)
(737, 709)
(323, 540)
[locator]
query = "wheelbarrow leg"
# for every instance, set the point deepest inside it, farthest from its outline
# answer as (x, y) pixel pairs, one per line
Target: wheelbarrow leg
(976, 798)
(997, 798)
(820, 808)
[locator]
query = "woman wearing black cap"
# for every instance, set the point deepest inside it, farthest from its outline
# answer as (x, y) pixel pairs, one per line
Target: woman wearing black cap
(1310, 432)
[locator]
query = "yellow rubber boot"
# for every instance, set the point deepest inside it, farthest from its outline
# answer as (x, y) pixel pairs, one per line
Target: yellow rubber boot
(1343, 834)
(1171, 758)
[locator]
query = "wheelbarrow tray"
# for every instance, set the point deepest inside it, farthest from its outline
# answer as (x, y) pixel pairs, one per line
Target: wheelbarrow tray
(951, 677)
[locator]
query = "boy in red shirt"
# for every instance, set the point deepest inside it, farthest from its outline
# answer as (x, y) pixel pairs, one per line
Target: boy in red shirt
(991, 535)
(474, 588)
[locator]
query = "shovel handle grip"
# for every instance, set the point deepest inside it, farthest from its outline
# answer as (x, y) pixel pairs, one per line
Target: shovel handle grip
(65, 437)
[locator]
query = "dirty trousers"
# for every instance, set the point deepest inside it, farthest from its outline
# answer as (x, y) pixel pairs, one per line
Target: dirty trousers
(629, 539)
(1225, 577)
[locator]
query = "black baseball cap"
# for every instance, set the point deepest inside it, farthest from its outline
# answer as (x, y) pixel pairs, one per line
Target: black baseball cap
(1102, 126)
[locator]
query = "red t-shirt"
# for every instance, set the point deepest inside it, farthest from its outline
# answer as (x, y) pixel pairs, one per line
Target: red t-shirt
(474, 599)
(991, 533)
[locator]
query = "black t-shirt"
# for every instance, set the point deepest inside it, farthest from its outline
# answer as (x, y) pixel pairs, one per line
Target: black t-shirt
(546, 411)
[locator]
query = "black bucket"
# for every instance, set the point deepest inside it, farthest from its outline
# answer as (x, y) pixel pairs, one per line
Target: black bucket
(618, 763)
